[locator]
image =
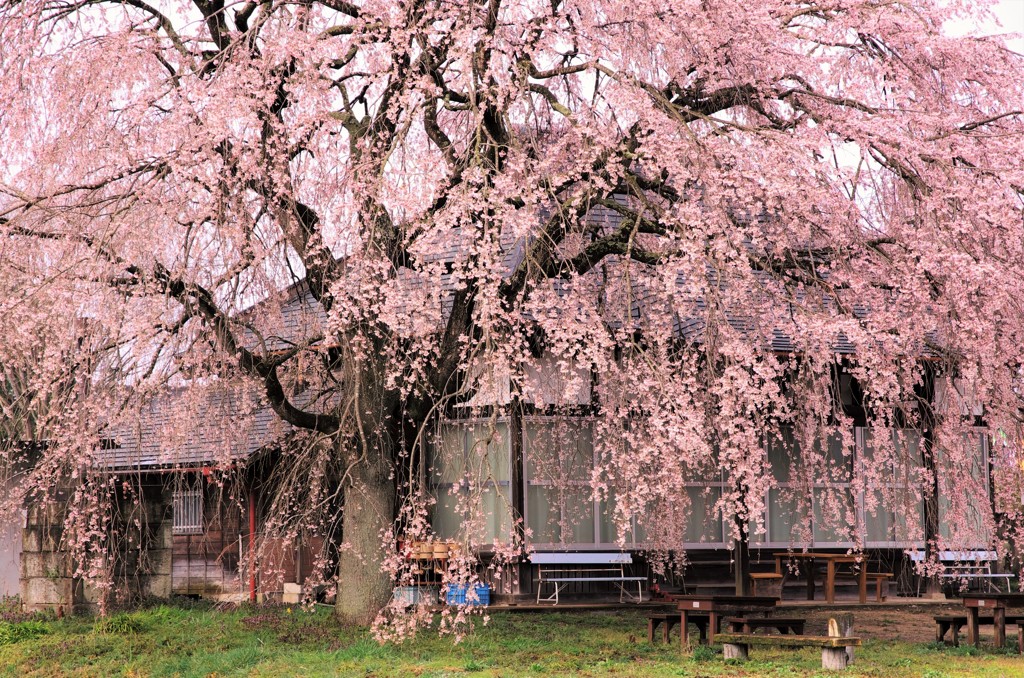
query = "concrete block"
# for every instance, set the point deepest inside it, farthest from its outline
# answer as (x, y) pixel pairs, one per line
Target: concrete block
(47, 592)
(164, 536)
(157, 586)
(39, 538)
(127, 563)
(159, 561)
(52, 538)
(43, 565)
(34, 515)
(292, 593)
(52, 514)
(89, 595)
(32, 539)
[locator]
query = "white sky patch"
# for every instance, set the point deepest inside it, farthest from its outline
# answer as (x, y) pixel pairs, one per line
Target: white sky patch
(1010, 15)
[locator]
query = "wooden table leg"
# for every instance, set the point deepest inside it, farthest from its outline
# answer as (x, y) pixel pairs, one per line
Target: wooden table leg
(863, 582)
(999, 622)
(684, 630)
(830, 582)
(972, 627)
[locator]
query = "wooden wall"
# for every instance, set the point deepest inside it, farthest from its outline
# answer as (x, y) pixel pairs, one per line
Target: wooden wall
(208, 564)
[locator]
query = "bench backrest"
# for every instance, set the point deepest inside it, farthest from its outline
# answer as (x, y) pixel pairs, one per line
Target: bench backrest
(562, 558)
(956, 556)
(967, 556)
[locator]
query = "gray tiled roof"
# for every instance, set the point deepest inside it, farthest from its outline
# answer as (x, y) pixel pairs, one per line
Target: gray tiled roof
(221, 425)
(297, 318)
(203, 426)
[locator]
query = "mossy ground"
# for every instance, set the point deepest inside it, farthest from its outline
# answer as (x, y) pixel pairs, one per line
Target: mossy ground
(196, 640)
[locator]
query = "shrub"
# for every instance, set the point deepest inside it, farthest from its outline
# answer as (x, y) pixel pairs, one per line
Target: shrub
(703, 653)
(11, 611)
(17, 632)
(120, 624)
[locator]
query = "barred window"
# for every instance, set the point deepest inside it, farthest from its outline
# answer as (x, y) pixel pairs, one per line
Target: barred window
(188, 512)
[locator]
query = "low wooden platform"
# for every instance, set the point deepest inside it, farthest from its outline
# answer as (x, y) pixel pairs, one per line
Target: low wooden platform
(833, 648)
(787, 641)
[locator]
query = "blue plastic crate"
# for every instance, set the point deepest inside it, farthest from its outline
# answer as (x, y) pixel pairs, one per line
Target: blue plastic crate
(457, 595)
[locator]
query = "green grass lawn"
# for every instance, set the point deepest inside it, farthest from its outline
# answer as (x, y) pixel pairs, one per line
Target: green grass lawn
(199, 641)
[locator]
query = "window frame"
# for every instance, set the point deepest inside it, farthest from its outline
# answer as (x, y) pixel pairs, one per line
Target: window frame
(862, 517)
(188, 512)
(982, 435)
(766, 541)
(769, 540)
(467, 424)
(543, 482)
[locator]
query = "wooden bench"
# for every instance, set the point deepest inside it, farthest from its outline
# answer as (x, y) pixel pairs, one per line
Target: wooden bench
(965, 566)
(766, 584)
(784, 625)
(568, 568)
(981, 574)
(881, 580)
(833, 648)
(669, 619)
(953, 623)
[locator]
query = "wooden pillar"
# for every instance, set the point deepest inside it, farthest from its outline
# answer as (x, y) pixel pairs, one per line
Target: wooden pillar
(837, 658)
(928, 452)
(834, 658)
(844, 628)
(741, 548)
(515, 427)
(742, 560)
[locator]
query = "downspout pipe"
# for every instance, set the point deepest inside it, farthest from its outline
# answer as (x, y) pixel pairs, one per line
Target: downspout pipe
(252, 545)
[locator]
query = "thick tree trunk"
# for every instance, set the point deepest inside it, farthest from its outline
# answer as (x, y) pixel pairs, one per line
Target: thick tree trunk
(369, 510)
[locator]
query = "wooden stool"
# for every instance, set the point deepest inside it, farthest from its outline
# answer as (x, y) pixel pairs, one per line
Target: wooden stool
(669, 619)
(665, 620)
(766, 584)
(951, 623)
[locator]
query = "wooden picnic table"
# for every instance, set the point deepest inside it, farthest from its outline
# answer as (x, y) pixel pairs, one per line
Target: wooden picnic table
(831, 560)
(997, 602)
(715, 607)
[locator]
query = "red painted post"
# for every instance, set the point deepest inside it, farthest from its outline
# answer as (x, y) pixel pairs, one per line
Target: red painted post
(252, 545)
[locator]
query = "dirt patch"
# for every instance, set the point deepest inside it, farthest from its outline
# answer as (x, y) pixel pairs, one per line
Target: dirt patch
(911, 624)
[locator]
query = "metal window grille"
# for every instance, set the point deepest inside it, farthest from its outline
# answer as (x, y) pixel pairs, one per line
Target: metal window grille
(188, 512)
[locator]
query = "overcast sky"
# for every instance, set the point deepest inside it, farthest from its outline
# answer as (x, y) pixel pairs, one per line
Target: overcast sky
(1011, 15)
